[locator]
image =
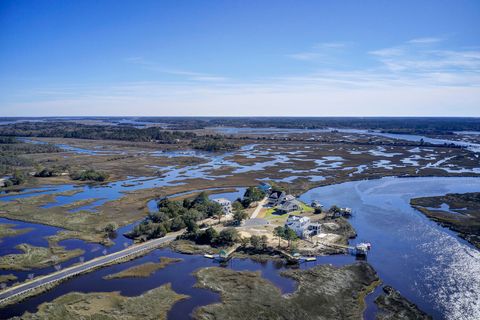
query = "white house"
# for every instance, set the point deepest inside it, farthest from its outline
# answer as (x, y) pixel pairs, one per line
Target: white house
(302, 226)
(226, 205)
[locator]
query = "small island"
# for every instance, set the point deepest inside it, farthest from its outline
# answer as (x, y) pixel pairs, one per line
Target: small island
(457, 211)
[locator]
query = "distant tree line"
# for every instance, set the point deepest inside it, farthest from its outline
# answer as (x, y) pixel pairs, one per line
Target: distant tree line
(12, 151)
(81, 131)
(425, 125)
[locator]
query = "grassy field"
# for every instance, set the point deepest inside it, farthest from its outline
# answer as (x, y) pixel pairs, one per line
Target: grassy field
(143, 270)
(8, 230)
(153, 304)
(463, 215)
(323, 292)
(7, 277)
(37, 257)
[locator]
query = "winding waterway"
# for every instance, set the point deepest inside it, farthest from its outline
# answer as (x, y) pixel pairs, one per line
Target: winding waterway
(429, 264)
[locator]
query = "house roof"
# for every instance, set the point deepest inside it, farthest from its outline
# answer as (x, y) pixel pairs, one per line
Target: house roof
(287, 205)
(276, 194)
(222, 201)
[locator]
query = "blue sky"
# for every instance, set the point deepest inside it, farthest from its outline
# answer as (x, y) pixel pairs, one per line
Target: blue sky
(282, 58)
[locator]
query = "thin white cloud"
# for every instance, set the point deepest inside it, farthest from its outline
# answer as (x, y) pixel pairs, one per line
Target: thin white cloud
(320, 51)
(408, 79)
(190, 75)
(427, 40)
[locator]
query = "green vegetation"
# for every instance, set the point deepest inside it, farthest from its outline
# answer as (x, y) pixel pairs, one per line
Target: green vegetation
(210, 236)
(53, 171)
(238, 213)
(37, 257)
(285, 233)
(252, 194)
(89, 175)
(151, 305)
(323, 292)
(7, 278)
(7, 230)
(211, 143)
(463, 215)
(176, 215)
(259, 243)
(393, 306)
(143, 270)
(12, 153)
(95, 132)
(18, 178)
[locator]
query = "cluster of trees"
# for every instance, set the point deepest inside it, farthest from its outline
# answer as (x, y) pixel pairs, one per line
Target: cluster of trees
(252, 194)
(82, 131)
(53, 171)
(210, 236)
(285, 233)
(213, 144)
(18, 178)
(259, 242)
(176, 215)
(89, 175)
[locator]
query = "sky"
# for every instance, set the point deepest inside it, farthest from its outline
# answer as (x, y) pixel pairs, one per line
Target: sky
(239, 58)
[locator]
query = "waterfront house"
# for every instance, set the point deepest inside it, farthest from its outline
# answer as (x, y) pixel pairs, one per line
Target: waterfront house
(226, 205)
(276, 198)
(302, 226)
(289, 206)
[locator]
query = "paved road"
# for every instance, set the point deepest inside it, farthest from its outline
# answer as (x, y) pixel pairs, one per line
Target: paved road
(77, 269)
(100, 261)
(258, 208)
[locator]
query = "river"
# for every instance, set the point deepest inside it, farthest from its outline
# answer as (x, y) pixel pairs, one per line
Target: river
(427, 263)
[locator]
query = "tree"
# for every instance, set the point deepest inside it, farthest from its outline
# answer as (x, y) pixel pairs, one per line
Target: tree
(239, 216)
(237, 205)
(255, 241)
(252, 194)
(110, 229)
(290, 235)
(264, 242)
(244, 241)
(280, 233)
(208, 236)
(201, 198)
(334, 209)
(17, 178)
(228, 236)
(192, 226)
